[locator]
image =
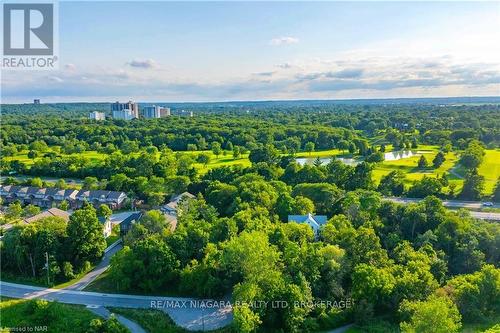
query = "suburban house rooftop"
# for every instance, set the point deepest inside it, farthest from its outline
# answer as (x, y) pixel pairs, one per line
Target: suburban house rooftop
(52, 212)
(50, 196)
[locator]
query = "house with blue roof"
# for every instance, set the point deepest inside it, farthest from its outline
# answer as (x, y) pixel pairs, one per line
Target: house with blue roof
(314, 221)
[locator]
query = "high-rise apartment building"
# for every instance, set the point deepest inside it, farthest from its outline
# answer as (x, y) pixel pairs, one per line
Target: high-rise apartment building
(94, 115)
(125, 111)
(155, 112)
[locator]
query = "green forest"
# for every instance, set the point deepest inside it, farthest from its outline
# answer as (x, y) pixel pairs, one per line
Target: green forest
(380, 265)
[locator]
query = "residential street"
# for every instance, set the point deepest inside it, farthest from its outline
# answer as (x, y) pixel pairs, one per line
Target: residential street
(189, 315)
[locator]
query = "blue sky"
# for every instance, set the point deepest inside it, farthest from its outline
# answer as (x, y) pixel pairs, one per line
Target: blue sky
(212, 51)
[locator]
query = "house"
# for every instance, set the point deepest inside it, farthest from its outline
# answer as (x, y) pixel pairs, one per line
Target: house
(52, 212)
(42, 197)
(314, 221)
(107, 226)
(51, 196)
(172, 208)
(113, 199)
(172, 221)
(126, 224)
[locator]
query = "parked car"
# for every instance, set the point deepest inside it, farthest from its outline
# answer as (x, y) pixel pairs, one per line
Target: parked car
(488, 204)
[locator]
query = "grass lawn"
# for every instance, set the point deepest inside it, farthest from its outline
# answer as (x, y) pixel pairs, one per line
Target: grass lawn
(40, 281)
(320, 153)
(57, 317)
(156, 321)
(490, 169)
(22, 156)
(409, 165)
(103, 284)
(390, 327)
(220, 161)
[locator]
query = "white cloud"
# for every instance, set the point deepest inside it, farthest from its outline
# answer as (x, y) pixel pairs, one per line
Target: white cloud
(142, 63)
(70, 67)
(284, 40)
(336, 77)
(285, 65)
(55, 79)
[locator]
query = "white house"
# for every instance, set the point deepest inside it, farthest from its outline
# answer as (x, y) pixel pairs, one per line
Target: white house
(314, 221)
(107, 226)
(172, 207)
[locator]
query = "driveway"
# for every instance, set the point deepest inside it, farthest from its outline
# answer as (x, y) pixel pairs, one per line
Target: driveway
(119, 217)
(99, 269)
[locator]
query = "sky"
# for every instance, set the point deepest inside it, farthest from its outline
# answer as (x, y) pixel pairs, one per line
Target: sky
(223, 51)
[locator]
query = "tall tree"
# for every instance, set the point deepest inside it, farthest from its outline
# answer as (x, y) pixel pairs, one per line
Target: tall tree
(438, 160)
(473, 185)
(85, 236)
(422, 162)
(436, 314)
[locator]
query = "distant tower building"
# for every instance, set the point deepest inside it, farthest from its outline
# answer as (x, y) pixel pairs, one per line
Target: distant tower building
(94, 115)
(151, 112)
(125, 111)
(36, 101)
(164, 112)
(155, 112)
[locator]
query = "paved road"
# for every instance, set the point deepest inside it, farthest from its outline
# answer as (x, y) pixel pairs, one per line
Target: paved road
(131, 325)
(99, 269)
(69, 181)
(117, 218)
(341, 329)
(459, 204)
(104, 264)
(186, 312)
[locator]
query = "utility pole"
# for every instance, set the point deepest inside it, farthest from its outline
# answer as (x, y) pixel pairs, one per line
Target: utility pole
(203, 317)
(47, 265)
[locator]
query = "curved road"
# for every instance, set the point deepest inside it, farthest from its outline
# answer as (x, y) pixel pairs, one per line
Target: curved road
(190, 313)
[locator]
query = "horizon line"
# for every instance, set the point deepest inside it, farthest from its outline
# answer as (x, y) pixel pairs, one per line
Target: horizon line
(269, 100)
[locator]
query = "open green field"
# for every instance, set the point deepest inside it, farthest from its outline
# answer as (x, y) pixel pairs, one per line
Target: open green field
(56, 317)
(490, 169)
(410, 165)
(320, 153)
(22, 156)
